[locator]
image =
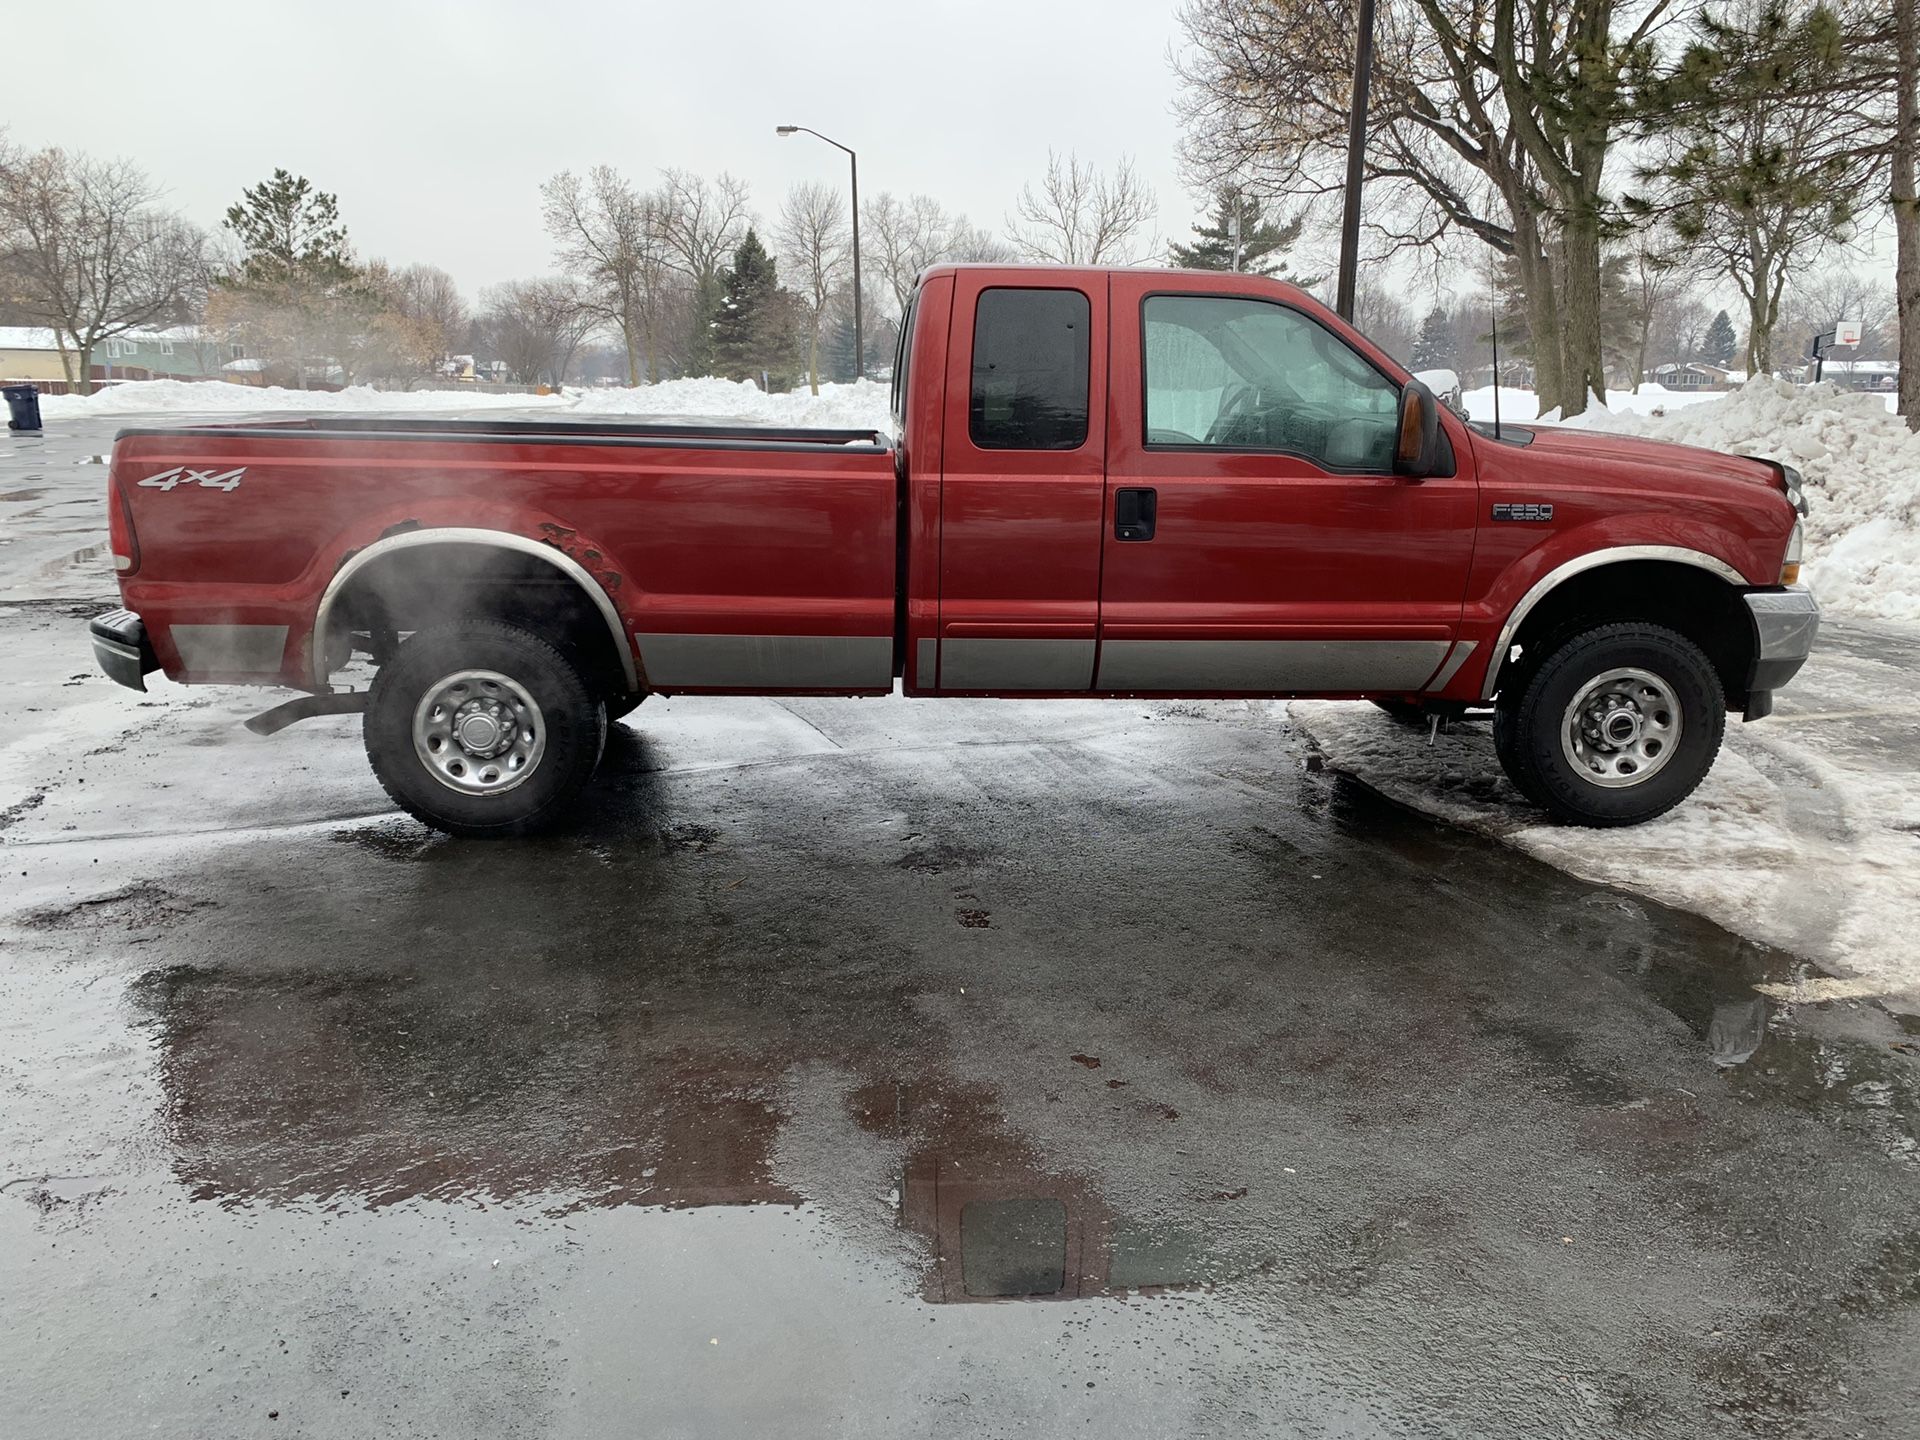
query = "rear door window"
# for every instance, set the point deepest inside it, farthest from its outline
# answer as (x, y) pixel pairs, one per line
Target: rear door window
(1031, 355)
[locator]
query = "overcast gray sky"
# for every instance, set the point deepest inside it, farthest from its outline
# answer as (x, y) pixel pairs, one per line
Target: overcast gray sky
(436, 122)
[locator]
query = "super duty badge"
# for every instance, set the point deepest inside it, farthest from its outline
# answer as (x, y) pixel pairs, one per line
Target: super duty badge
(1530, 511)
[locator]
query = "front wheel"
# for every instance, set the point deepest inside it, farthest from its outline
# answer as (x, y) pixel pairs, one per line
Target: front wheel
(482, 729)
(1617, 726)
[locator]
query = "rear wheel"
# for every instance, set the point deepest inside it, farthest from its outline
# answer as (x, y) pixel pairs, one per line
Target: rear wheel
(1618, 725)
(482, 729)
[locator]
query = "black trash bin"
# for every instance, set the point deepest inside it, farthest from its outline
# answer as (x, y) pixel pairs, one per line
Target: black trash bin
(23, 406)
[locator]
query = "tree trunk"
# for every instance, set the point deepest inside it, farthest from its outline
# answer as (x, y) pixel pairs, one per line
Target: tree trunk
(1543, 305)
(1584, 375)
(813, 355)
(85, 367)
(1906, 203)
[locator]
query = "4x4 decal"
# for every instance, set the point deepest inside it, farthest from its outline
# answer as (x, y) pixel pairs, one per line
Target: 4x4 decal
(228, 480)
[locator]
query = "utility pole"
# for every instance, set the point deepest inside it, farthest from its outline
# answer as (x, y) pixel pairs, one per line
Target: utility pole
(859, 327)
(1356, 163)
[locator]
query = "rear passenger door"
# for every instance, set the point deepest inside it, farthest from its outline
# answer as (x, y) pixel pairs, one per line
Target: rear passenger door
(1023, 484)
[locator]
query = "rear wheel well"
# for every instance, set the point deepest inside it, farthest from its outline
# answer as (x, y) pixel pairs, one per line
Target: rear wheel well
(422, 586)
(1684, 598)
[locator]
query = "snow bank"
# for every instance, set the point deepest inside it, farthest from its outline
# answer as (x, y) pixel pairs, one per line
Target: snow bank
(1522, 406)
(861, 405)
(1862, 468)
(216, 397)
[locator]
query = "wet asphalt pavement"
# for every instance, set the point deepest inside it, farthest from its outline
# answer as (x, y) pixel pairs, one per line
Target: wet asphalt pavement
(878, 1068)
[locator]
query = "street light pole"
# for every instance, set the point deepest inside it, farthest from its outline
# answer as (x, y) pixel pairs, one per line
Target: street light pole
(853, 161)
(1356, 160)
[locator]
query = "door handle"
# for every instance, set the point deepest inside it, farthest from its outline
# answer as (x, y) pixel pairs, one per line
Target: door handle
(1134, 512)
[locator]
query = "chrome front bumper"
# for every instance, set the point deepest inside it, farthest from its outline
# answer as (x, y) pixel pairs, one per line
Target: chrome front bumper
(1785, 623)
(121, 648)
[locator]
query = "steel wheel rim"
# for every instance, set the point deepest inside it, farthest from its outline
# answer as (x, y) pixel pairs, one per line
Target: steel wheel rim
(478, 732)
(1622, 728)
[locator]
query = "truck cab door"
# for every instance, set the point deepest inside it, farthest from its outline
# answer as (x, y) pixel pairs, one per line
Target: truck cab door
(1022, 487)
(1256, 539)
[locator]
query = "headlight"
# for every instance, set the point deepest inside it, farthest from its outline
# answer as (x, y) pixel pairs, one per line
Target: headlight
(1796, 490)
(1790, 566)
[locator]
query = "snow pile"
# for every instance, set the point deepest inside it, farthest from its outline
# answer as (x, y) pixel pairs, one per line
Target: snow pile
(861, 405)
(1862, 468)
(1790, 840)
(1522, 406)
(217, 397)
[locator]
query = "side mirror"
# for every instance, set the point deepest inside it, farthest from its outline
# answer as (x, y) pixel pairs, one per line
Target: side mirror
(1419, 445)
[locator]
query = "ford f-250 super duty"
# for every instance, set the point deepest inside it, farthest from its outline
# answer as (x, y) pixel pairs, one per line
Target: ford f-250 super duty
(1101, 483)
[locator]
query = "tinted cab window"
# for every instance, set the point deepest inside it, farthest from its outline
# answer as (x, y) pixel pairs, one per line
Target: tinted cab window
(1249, 375)
(1030, 362)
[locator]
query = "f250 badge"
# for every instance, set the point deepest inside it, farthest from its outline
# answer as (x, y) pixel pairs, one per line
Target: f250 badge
(228, 480)
(1529, 511)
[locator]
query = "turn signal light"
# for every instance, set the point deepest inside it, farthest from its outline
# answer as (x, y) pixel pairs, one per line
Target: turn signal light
(1790, 563)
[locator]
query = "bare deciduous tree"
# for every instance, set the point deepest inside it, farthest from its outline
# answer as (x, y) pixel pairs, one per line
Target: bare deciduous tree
(814, 243)
(615, 240)
(536, 326)
(701, 224)
(88, 252)
(1080, 216)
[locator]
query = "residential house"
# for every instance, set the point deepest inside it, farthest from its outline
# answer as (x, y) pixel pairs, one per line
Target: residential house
(182, 352)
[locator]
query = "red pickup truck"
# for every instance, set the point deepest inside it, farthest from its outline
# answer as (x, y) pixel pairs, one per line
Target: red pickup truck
(1100, 483)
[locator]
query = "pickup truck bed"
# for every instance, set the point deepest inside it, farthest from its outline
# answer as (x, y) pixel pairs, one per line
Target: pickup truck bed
(749, 538)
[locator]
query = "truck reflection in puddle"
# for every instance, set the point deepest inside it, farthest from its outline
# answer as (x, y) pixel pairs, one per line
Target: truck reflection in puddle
(324, 1091)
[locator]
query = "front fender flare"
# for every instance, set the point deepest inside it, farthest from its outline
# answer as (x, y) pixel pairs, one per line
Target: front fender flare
(1580, 564)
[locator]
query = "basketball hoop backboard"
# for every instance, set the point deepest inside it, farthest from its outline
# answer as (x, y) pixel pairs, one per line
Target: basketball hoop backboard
(1846, 332)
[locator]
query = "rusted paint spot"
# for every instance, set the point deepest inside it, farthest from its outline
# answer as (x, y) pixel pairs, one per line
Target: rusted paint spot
(610, 579)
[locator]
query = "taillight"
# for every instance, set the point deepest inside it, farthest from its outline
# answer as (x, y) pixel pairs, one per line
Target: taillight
(120, 536)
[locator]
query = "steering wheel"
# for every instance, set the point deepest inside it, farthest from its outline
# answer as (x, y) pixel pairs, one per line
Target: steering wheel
(1239, 402)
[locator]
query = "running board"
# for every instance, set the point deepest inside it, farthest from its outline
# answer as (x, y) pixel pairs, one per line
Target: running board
(305, 707)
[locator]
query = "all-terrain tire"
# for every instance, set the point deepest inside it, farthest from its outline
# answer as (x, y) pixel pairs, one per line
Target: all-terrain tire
(547, 729)
(1506, 745)
(1677, 705)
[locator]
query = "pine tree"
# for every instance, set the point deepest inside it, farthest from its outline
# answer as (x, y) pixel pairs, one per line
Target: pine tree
(289, 232)
(753, 326)
(1720, 342)
(1263, 243)
(1433, 350)
(296, 293)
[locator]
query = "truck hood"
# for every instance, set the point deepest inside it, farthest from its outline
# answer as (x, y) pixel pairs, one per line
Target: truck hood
(1674, 465)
